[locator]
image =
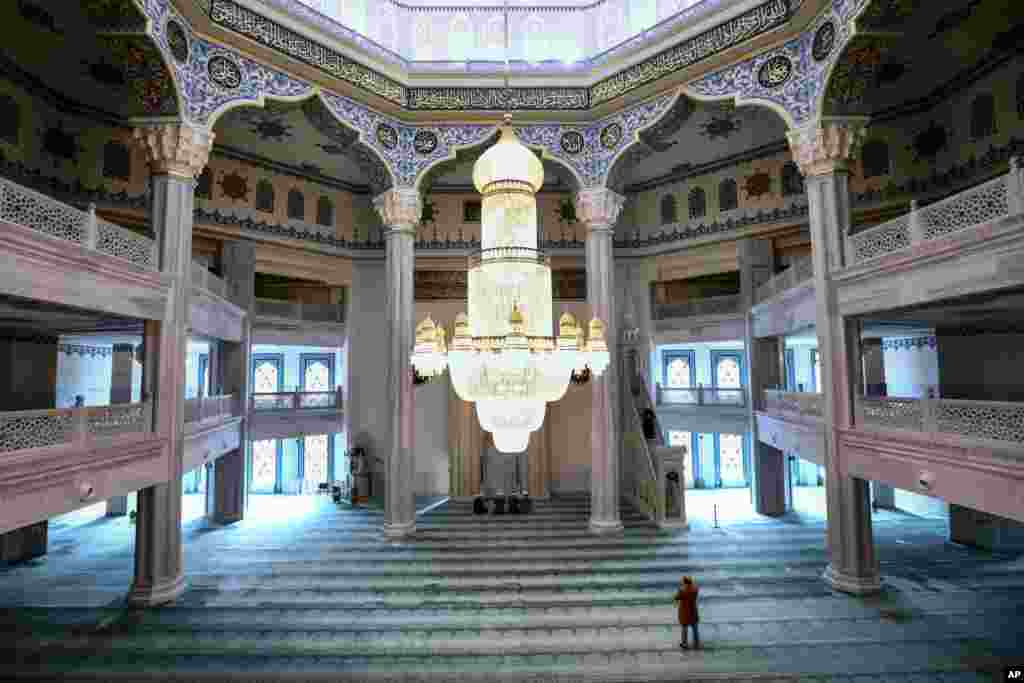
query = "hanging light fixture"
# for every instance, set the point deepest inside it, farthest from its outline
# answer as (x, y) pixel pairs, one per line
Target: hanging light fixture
(503, 356)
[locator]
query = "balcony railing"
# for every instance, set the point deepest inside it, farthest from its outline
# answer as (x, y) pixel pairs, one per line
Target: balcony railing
(800, 271)
(713, 305)
(998, 198)
(297, 400)
(80, 426)
(294, 310)
(700, 396)
(203, 278)
(806, 404)
(211, 407)
(973, 419)
(36, 211)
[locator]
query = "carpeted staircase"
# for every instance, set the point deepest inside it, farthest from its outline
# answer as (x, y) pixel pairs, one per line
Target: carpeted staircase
(532, 598)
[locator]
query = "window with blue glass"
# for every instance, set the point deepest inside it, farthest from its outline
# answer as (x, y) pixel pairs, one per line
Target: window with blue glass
(267, 373)
(731, 460)
(679, 371)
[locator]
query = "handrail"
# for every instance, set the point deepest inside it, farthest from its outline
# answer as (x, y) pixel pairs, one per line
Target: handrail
(800, 270)
(37, 428)
(209, 407)
(700, 396)
(1000, 197)
(992, 420)
(297, 400)
(712, 305)
(801, 403)
(36, 211)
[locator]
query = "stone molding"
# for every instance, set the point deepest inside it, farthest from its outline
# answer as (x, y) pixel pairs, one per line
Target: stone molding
(599, 208)
(175, 148)
(400, 209)
(827, 146)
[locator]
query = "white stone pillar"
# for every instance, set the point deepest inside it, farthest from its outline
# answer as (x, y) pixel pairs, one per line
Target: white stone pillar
(599, 209)
(823, 151)
(176, 154)
(400, 210)
(122, 364)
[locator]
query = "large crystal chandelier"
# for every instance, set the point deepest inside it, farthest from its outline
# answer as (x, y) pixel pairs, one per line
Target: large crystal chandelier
(503, 356)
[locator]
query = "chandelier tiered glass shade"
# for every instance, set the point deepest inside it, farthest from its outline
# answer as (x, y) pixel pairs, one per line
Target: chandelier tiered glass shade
(503, 356)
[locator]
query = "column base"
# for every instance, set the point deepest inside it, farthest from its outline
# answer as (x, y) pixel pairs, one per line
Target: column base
(855, 585)
(601, 527)
(227, 519)
(394, 532)
(158, 594)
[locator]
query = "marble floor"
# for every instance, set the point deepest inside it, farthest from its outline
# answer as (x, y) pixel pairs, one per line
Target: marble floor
(303, 590)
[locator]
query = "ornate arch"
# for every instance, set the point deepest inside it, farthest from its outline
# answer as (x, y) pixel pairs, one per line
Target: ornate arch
(789, 78)
(650, 139)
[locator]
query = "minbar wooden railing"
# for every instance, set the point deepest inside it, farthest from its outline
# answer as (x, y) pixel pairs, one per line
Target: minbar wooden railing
(700, 396)
(73, 426)
(298, 400)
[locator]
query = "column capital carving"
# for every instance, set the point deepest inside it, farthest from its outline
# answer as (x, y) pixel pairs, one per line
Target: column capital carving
(598, 208)
(399, 208)
(175, 148)
(828, 145)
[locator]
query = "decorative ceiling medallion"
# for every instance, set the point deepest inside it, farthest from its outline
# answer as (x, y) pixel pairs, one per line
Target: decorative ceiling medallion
(177, 41)
(224, 72)
(775, 71)
(387, 136)
(234, 186)
(424, 142)
(824, 41)
(572, 142)
(611, 135)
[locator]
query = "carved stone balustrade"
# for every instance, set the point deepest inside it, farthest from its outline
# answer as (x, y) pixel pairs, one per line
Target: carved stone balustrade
(709, 306)
(81, 426)
(799, 272)
(701, 396)
(797, 403)
(985, 203)
(298, 400)
(22, 206)
(211, 408)
(986, 420)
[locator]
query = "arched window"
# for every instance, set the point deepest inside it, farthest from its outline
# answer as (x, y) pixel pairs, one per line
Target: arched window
(265, 196)
(698, 203)
(10, 119)
(296, 206)
(317, 372)
(983, 116)
(493, 39)
(325, 212)
(728, 195)
(669, 210)
(792, 181)
(1020, 96)
(117, 161)
(727, 373)
(264, 466)
(267, 375)
(875, 159)
(314, 458)
(385, 24)
(730, 458)
(204, 184)
(460, 39)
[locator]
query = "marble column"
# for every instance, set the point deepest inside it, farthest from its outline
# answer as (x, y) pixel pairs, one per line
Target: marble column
(229, 477)
(768, 464)
(120, 392)
(823, 151)
(176, 154)
(598, 209)
(400, 210)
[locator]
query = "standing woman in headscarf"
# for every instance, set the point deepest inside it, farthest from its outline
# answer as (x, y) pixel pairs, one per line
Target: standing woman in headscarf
(686, 596)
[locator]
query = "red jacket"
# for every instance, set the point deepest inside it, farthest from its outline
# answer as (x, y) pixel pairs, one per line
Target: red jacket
(687, 599)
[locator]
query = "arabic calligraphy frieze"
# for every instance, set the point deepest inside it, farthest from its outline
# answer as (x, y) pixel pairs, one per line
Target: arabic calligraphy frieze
(758, 20)
(229, 14)
(497, 99)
